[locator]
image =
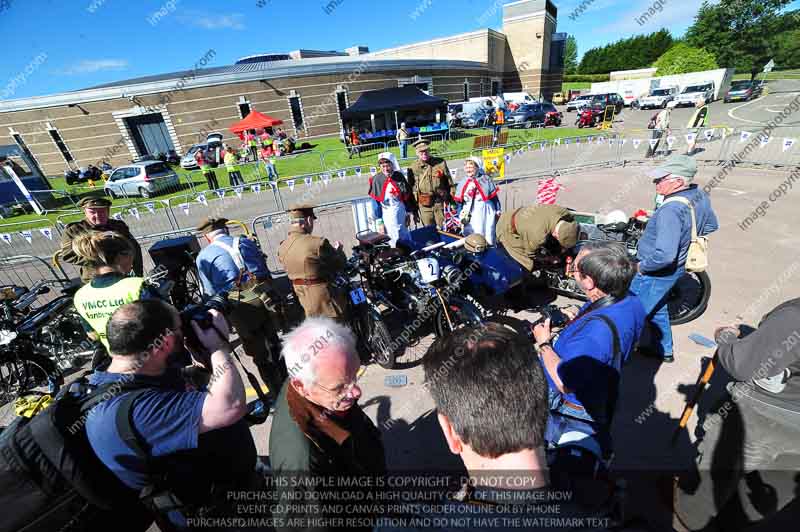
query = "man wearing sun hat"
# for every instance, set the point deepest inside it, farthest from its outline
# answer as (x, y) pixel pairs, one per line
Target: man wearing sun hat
(664, 246)
(311, 264)
(96, 210)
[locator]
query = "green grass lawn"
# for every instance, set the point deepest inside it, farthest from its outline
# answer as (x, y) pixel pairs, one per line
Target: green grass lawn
(575, 85)
(328, 155)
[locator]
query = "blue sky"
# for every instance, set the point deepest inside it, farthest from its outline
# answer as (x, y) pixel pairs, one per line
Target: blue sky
(67, 45)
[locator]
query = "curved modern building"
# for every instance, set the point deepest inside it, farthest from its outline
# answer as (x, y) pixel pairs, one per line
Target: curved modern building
(307, 89)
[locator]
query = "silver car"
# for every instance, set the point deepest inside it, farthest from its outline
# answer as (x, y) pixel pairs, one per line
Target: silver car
(145, 179)
(188, 161)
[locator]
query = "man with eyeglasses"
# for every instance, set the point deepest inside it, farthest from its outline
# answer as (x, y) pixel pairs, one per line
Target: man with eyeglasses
(664, 246)
(321, 443)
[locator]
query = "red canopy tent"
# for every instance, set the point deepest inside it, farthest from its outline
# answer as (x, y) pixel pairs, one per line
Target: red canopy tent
(254, 120)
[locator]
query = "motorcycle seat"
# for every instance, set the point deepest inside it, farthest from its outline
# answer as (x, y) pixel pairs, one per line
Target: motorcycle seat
(372, 238)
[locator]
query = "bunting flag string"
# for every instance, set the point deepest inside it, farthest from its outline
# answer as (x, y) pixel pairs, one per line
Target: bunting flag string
(290, 184)
(117, 216)
(788, 143)
(256, 188)
(744, 135)
(201, 198)
(185, 208)
(27, 235)
(636, 143)
(326, 178)
(6, 238)
(358, 171)
(47, 232)
(670, 141)
(342, 174)
(220, 193)
(709, 134)
(238, 191)
(373, 171)
(454, 173)
(135, 212)
(151, 207)
(653, 143)
(765, 139)
(308, 180)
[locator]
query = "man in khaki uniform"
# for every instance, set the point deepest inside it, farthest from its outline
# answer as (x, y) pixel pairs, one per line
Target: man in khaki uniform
(431, 184)
(523, 231)
(311, 264)
(96, 212)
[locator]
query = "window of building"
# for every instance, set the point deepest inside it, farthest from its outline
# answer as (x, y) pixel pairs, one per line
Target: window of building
(341, 105)
(24, 147)
(297, 112)
(495, 87)
(244, 107)
(466, 90)
(62, 147)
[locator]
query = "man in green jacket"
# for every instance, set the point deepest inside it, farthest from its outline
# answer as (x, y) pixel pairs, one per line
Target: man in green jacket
(321, 443)
(523, 231)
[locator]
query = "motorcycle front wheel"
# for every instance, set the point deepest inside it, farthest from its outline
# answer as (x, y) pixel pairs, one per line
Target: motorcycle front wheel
(461, 312)
(380, 343)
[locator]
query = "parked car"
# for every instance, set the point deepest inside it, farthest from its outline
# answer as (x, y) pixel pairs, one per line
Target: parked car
(743, 90)
(531, 115)
(559, 98)
(481, 117)
(694, 93)
(658, 98)
(601, 101)
(143, 179)
(576, 103)
(188, 161)
(214, 138)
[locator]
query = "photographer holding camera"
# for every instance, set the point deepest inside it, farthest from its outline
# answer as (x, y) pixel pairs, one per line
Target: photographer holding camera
(583, 366)
(189, 445)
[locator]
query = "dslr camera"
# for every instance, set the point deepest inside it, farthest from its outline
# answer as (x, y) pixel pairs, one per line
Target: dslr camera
(557, 318)
(199, 312)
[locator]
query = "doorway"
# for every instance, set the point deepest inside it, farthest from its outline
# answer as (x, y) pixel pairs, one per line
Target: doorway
(149, 134)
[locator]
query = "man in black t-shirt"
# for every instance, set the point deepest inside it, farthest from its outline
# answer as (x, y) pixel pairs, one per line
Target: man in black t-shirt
(491, 398)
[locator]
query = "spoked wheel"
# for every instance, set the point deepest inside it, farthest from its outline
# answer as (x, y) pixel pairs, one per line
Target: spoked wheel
(380, 343)
(187, 289)
(23, 375)
(461, 312)
(689, 297)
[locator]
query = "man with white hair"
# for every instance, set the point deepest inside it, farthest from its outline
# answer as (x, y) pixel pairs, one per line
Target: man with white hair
(319, 432)
(664, 246)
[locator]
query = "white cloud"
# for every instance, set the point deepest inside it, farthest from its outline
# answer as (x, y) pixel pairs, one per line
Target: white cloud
(213, 22)
(87, 66)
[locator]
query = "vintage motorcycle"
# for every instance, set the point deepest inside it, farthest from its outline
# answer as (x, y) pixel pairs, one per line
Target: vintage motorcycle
(399, 294)
(686, 301)
(38, 343)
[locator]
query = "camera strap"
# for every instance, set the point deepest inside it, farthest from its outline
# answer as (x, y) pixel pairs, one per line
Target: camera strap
(253, 381)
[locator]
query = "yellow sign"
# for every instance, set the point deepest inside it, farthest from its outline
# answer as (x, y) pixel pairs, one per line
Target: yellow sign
(608, 117)
(494, 162)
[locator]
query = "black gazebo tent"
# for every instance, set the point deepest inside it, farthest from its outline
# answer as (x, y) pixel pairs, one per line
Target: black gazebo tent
(376, 114)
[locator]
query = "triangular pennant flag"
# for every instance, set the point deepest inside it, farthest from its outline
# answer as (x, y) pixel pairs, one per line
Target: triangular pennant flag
(134, 211)
(530, 146)
(6, 238)
(566, 142)
(185, 207)
(165, 202)
(290, 184)
(342, 174)
(788, 143)
(454, 173)
(636, 143)
(690, 138)
(611, 142)
(623, 141)
(589, 140)
(326, 178)
(373, 171)
(765, 139)
(238, 191)
(542, 146)
(308, 180)
(507, 157)
(557, 141)
(220, 194)
(358, 171)
(117, 216)
(27, 235)
(201, 198)
(601, 140)
(151, 207)
(670, 141)
(256, 188)
(653, 142)
(47, 231)
(708, 134)
(744, 135)
(273, 185)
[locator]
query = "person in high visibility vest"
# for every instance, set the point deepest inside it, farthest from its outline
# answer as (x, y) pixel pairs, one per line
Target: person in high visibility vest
(252, 143)
(111, 255)
(499, 120)
(208, 171)
(232, 166)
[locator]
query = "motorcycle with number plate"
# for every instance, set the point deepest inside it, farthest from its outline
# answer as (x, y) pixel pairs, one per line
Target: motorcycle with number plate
(38, 343)
(396, 294)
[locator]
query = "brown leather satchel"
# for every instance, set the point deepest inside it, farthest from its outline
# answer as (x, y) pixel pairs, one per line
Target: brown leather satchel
(426, 200)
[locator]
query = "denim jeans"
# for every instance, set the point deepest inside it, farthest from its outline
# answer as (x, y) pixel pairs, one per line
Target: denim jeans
(748, 460)
(652, 291)
(272, 173)
(403, 149)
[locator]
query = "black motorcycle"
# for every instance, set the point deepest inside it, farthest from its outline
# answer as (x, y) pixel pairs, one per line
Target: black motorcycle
(686, 301)
(38, 343)
(396, 296)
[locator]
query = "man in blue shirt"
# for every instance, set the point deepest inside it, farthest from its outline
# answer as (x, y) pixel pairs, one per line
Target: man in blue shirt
(196, 438)
(583, 367)
(236, 265)
(665, 243)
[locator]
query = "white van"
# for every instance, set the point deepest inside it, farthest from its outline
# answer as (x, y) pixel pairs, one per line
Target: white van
(518, 98)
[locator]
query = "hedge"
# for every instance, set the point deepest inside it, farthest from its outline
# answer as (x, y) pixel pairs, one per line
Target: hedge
(586, 77)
